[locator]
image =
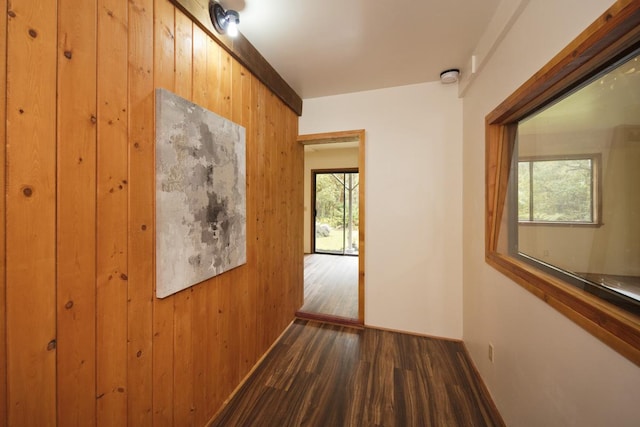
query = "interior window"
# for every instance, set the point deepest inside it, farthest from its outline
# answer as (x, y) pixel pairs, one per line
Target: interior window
(571, 236)
(573, 158)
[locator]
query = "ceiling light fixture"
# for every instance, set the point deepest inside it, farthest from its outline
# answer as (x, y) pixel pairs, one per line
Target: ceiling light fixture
(224, 21)
(449, 76)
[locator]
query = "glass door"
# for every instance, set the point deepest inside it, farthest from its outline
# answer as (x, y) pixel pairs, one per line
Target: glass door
(336, 211)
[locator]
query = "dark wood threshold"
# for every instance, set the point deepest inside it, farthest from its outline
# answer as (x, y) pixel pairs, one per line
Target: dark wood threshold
(334, 320)
(244, 52)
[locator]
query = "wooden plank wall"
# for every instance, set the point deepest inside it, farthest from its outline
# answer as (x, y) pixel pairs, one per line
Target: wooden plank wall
(3, 104)
(83, 340)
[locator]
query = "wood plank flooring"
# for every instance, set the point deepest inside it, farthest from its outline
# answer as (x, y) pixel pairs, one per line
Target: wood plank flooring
(327, 375)
(331, 285)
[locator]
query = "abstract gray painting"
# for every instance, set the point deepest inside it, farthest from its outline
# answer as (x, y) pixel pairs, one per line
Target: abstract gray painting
(200, 194)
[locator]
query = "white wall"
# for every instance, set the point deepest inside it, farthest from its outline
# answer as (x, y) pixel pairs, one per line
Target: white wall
(547, 370)
(322, 159)
(413, 201)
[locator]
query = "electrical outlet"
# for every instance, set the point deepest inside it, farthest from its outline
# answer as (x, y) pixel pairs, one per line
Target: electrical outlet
(491, 352)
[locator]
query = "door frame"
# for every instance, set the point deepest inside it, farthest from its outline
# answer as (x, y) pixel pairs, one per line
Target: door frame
(312, 228)
(349, 136)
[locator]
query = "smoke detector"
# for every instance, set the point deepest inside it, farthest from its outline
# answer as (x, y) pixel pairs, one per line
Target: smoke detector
(449, 76)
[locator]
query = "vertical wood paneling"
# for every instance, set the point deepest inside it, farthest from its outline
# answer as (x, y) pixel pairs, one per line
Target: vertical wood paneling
(76, 204)
(30, 213)
(185, 348)
(222, 97)
(241, 114)
(163, 309)
(141, 213)
(220, 103)
(123, 356)
(275, 295)
(210, 314)
(257, 183)
(269, 218)
(112, 199)
(240, 311)
(3, 140)
(204, 331)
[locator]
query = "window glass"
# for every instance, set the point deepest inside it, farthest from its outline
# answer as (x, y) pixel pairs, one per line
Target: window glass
(574, 197)
(557, 190)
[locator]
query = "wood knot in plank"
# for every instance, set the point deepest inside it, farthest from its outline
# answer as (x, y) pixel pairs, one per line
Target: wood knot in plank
(27, 191)
(94, 119)
(144, 227)
(139, 353)
(169, 33)
(33, 33)
(68, 305)
(68, 54)
(124, 277)
(51, 345)
(120, 389)
(11, 14)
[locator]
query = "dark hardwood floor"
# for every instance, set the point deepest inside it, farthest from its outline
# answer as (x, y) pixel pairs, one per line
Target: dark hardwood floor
(333, 376)
(331, 285)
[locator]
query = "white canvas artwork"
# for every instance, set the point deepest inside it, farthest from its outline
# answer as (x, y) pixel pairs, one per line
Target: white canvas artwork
(200, 194)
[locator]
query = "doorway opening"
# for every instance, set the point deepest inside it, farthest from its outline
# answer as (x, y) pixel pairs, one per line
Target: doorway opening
(334, 235)
(336, 211)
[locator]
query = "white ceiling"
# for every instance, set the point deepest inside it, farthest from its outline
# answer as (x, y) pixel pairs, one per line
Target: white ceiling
(331, 47)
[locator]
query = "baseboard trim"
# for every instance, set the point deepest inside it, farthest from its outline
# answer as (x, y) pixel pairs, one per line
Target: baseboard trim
(417, 334)
(486, 395)
(246, 377)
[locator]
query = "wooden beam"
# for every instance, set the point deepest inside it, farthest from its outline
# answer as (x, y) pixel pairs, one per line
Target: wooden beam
(244, 52)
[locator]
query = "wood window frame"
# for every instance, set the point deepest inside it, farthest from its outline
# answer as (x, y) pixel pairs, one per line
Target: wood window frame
(615, 34)
(596, 190)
